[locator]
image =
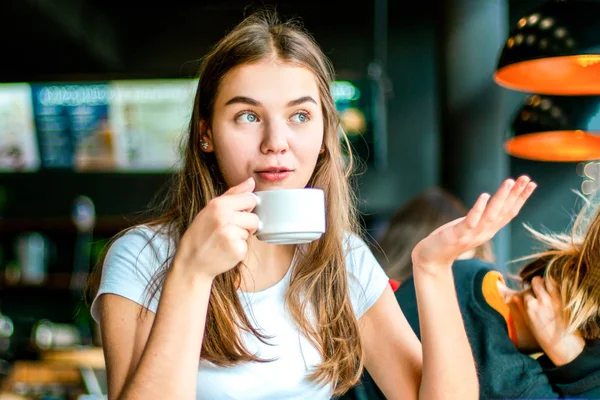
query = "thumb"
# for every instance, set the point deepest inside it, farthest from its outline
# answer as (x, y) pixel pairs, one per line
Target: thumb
(246, 186)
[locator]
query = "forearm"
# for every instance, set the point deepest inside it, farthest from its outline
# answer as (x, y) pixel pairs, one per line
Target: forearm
(168, 367)
(448, 366)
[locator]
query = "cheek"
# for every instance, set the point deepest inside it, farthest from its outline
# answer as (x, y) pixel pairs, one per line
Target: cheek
(232, 156)
(231, 168)
(307, 152)
(311, 143)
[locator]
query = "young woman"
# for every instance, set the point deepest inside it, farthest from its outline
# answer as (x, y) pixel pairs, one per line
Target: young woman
(192, 305)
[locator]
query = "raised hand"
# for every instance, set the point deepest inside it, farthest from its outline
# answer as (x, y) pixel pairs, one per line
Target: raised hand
(217, 239)
(484, 220)
(543, 310)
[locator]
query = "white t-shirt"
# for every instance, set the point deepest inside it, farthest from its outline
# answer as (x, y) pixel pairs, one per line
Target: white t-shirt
(128, 269)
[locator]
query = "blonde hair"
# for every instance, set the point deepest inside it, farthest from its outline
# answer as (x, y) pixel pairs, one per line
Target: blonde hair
(572, 262)
(411, 223)
(318, 279)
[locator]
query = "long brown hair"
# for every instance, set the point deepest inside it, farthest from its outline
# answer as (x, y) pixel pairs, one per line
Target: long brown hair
(572, 262)
(319, 279)
(412, 222)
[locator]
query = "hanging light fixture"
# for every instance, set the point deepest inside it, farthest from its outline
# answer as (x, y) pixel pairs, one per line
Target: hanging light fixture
(556, 128)
(554, 50)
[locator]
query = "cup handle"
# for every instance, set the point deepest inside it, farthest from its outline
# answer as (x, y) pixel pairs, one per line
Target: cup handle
(260, 224)
(256, 197)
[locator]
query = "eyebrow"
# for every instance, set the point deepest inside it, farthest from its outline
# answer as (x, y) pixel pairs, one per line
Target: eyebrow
(252, 102)
(303, 99)
(242, 100)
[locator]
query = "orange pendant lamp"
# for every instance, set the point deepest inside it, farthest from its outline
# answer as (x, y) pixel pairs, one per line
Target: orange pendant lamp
(554, 50)
(556, 128)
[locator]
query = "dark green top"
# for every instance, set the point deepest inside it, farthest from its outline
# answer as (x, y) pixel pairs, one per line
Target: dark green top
(504, 372)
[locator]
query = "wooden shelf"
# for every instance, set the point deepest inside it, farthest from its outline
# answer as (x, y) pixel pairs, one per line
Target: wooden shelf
(54, 281)
(92, 357)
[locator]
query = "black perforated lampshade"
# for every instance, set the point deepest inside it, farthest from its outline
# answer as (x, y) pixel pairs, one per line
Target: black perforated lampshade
(556, 128)
(554, 50)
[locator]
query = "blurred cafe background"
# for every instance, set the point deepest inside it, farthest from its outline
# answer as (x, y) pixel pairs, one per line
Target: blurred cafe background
(94, 95)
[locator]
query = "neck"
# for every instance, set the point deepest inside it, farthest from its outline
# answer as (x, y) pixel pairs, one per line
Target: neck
(265, 264)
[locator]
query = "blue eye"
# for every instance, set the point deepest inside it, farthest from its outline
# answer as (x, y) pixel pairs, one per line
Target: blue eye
(300, 117)
(247, 118)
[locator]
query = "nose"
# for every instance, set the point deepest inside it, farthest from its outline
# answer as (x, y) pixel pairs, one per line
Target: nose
(275, 138)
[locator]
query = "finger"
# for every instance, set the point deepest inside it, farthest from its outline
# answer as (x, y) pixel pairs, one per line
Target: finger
(245, 201)
(532, 310)
(517, 189)
(522, 198)
(530, 302)
(475, 213)
(238, 232)
(537, 284)
(246, 186)
(244, 234)
(552, 289)
(496, 203)
(247, 221)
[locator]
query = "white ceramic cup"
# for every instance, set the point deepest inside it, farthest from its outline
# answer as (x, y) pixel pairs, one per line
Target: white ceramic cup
(290, 216)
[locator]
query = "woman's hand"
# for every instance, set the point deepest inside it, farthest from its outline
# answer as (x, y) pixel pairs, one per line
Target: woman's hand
(438, 251)
(217, 239)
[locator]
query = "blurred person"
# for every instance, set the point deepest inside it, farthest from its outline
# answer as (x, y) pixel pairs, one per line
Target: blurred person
(411, 223)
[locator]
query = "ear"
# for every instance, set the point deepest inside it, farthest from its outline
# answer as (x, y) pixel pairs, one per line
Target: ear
(206, 137)
(322, 149)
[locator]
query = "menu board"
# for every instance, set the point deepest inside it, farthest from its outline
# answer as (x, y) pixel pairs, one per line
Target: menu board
(125, 125)
(116, 126)
(68, 118)
(18, 143)
(149, 119)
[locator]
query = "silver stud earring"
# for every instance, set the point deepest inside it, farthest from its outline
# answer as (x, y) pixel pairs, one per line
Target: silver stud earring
(204, 145)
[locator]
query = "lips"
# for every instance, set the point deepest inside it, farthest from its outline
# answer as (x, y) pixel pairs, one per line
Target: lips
(274, 174)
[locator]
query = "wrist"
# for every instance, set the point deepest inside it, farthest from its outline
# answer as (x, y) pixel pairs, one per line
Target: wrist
(432, 269)
(189, 276)
(565, 350)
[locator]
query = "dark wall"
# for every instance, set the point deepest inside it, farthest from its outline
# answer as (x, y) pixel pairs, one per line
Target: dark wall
(473, 106)
(553, 204)
(413, 109)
